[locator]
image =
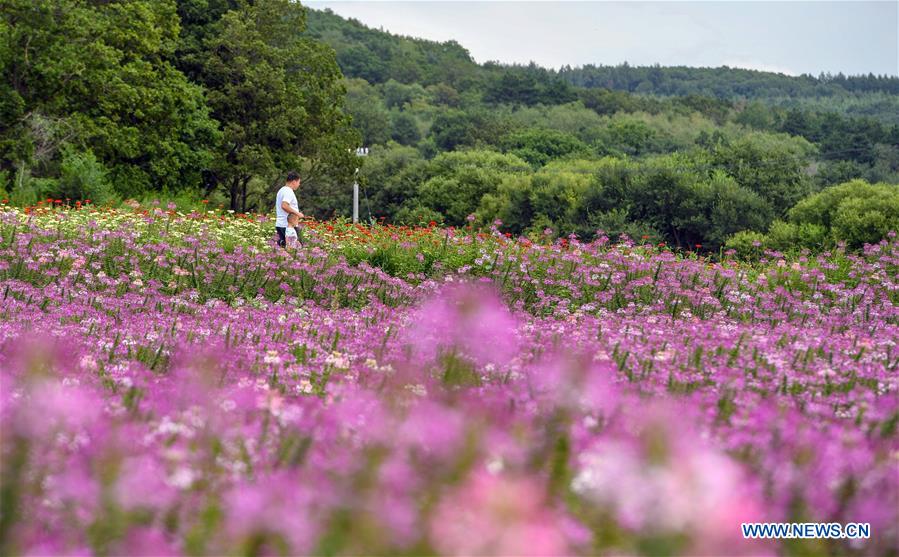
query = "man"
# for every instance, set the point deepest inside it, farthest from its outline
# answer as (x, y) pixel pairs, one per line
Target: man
(286, 204)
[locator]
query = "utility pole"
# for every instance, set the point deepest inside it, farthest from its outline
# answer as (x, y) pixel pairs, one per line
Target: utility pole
(360, 152)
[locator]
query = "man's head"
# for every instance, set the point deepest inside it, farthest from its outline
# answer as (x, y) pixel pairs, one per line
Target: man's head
(293, 180)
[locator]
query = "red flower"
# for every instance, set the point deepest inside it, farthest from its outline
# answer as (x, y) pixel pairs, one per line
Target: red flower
(698, 246)
(204, 201)
(432, 223)
(645, 236)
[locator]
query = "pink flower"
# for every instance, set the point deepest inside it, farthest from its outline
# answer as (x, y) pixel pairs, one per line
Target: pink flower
(142, 484)
(278, 504)
(469, 319)
(495, 515)
(147, 542)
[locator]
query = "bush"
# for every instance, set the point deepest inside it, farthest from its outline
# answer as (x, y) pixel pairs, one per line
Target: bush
(82, 176)
(460, 180)
(4, 181)
(28, 190)
(782, 236)
(404, 128)
(855, 212)
(540, 146)
(748, 244)
(616, 223)
(186, 200)
(860, 221)
(417, 215)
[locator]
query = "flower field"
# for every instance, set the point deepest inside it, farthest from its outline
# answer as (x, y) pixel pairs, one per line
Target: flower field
(172, 384)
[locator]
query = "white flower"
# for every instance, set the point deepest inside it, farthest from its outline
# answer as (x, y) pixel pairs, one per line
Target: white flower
(181, 478)
(417, 390)
(304, 387)
(495, 465)
(88, 363)
(338, 360)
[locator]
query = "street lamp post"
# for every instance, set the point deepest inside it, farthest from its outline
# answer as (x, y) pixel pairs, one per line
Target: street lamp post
(360, 152)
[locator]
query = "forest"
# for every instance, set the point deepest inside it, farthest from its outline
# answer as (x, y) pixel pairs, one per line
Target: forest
(214, 100)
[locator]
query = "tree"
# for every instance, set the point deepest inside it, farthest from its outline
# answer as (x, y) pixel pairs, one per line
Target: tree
(457, 128)
(444, 95)
(773, 166)
(539, 146)
(756, 115)
(398, 95)
(632, 136)
(459, 180)
(855, 212)
(405, 128)
(369, 116)
(391, 176)
(95, 77)
(733, 208)
(278, 97)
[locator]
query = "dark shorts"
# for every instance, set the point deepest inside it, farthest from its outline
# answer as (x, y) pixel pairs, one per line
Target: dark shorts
(282, 239)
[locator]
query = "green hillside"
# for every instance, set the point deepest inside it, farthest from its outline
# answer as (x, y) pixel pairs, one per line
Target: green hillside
(378, 56)
(212, 101)
(689, 156)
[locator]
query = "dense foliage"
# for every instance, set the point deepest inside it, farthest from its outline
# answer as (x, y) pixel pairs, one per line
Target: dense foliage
(667, 153)
(121, 99)
(216, 99)
(90, 85)
(851, 214)
(172, 384)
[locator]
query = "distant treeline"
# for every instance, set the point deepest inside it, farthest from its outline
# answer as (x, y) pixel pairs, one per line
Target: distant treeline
(536, 149)
(724, 82)
(215, 99)
(378, 56)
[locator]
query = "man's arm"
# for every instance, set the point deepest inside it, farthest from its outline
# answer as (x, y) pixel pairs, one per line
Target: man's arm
(287, 207)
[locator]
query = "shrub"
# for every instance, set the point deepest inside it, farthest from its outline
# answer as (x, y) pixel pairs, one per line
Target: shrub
(748, 244)
(28, 190)
(4, 182)
(418, 215)
(82, 176)
(540, 146)
(855, 212)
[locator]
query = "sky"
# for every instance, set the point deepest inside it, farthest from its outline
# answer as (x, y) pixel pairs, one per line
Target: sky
(853, 37)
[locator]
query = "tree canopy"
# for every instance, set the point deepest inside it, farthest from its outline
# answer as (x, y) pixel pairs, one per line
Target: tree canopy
(217, 99)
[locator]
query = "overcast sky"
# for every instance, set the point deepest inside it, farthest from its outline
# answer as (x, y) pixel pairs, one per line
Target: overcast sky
(789, 37)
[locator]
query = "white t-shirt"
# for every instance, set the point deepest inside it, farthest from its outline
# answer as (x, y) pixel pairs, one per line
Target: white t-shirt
(288, 195)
